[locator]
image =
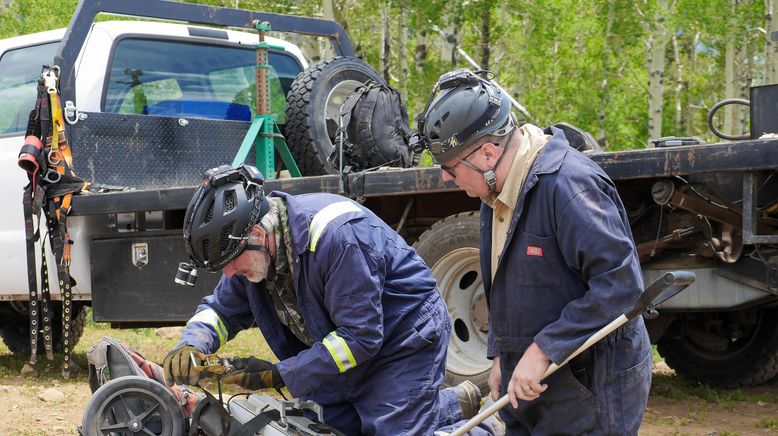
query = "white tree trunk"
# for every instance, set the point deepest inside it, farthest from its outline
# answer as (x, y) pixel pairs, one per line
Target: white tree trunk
(328, 9)
(421, 51)
(656, 45)
(402, 53)
(691, 106)
(451, 36)
(745, 78)
(678, 84)
(386, 40)
(486, 18)
(604, 95)
(730, 76)
(771, 46)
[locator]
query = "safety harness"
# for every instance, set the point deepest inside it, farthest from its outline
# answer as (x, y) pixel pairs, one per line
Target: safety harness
(52, 184)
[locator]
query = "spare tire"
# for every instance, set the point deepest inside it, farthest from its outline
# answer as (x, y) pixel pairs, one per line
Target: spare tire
(313, 110)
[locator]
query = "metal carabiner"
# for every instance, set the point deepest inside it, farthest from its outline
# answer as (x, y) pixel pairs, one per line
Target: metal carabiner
(54, 157)
(71, 113)
(52, 176)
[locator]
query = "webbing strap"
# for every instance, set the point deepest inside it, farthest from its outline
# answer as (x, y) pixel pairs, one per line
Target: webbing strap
(255, 424)
(59, 182)
(60, 245)
(364, 135)
(348, 106)
(45, 310)
(32, 278)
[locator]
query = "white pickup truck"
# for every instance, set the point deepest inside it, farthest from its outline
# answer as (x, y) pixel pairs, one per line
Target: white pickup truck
(125, 67)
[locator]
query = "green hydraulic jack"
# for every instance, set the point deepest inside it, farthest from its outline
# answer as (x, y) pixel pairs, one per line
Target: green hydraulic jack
(264, 132)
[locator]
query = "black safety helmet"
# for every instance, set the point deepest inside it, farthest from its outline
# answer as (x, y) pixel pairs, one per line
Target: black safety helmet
(468, 107)
(221, 213)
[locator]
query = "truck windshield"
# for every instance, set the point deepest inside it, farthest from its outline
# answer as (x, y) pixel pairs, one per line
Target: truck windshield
(19, 72)
(182, 78)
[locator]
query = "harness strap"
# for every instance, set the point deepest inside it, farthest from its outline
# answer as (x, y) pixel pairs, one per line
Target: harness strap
(45, 310)
(50, 167)
(60, 245)
(364, 120)
(255, 424)
(31, 236)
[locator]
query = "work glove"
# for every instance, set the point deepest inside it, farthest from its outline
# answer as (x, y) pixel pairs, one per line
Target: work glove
(179, 365)
(253, 374)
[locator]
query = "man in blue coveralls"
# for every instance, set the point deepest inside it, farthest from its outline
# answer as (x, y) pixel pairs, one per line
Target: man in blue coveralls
(558, 261)
(350, 310)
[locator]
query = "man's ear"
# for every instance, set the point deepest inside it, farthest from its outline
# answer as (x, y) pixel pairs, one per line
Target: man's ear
(257, 231)
(490, 151)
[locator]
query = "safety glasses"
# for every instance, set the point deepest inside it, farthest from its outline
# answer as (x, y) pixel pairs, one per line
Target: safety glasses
(450, 168)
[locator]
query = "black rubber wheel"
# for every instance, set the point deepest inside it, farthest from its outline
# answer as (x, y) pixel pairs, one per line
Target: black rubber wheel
(708, 353)
(450, 249)
(15, 330)
(313, 110)
(133, 405)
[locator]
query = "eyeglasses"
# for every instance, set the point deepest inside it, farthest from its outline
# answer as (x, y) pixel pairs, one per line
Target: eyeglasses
(450, 168)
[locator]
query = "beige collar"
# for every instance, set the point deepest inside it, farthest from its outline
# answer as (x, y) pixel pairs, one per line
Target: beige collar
(531, 141)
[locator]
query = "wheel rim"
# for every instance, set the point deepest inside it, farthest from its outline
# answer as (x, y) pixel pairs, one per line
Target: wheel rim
(735, 346)
(335, 99)
(459, 278)
(134, 411)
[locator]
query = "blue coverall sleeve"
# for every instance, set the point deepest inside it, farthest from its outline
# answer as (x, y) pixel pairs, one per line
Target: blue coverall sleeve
(352, 278)
(595, 241)
(219, 317)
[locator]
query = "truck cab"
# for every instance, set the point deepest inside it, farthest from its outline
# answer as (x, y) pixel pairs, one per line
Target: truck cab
(153, 69)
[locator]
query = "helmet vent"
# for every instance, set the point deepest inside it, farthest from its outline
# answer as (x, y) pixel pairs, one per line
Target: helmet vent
(224, 240)
(209, 215)
(229, 201)
(250, 191)
(206, 244)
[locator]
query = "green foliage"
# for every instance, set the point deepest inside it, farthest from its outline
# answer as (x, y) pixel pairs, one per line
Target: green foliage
(28, 16)
(583, 62)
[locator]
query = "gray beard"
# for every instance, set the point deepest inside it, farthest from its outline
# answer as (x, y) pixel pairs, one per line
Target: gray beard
(260, 273)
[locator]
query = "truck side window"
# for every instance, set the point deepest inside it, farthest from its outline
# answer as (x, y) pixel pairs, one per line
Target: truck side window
(19, 72)
(183, 78)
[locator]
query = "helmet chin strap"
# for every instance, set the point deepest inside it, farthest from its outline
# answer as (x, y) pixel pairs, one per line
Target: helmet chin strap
(489, 175)
(262, 248)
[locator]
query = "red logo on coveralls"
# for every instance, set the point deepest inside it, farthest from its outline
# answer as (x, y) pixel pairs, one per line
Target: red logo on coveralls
(534, 251)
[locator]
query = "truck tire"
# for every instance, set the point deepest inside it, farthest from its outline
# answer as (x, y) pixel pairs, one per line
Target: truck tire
(313, 110)
(15, 330)
(707, 356)
(450, 249)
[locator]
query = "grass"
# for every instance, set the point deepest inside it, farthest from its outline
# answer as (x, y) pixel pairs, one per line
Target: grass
(768, 424)
(145, 340)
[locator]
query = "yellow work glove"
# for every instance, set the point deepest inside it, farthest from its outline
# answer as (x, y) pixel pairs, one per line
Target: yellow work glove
(253, 374)
(179, 365)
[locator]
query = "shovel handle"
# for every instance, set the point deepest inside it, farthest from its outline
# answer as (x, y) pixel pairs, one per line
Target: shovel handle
(657, 292)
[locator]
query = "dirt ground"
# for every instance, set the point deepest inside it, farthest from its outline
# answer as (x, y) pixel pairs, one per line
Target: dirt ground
(48, 405)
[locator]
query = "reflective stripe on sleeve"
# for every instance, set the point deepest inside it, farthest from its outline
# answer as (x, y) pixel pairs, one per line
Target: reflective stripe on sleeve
(211, 318)
(324, 216)
(340, 352)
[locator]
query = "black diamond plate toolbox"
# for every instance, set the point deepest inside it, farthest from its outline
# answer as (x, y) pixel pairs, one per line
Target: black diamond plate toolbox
(152, 152)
